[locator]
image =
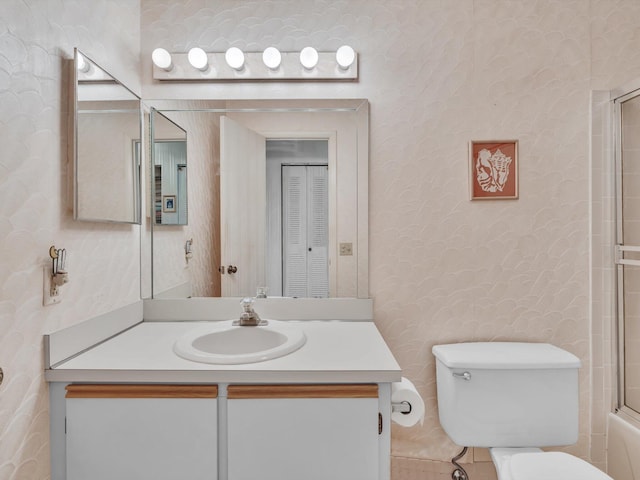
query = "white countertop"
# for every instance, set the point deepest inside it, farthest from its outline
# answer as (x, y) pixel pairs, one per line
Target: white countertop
(335, 352)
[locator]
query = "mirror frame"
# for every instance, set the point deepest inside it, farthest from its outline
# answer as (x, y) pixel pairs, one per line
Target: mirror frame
(137, 163)
(358, 106)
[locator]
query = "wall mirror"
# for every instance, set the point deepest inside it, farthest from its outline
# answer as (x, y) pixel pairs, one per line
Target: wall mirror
(278, 200)
(169, 170)
(107, 125)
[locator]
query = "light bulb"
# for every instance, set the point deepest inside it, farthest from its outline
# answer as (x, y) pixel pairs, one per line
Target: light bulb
(162, 59)
(234, 58)
(198, 58)
(345, 56)
(309, 57)
(272, 58)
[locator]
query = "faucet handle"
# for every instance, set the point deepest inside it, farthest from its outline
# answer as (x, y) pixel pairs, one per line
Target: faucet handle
(247, 303)
(249, 317)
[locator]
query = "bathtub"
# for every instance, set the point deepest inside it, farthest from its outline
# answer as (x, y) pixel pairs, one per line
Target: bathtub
(623, 447)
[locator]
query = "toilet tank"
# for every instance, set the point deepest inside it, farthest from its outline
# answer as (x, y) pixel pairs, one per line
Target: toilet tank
(507, 394)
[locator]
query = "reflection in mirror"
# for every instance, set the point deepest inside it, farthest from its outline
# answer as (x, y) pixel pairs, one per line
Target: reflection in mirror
(106, 147)
(278, 197)
(297, 208)
(169, 160)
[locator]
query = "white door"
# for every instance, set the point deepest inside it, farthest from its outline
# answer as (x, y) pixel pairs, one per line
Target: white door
(305, 236)
(242, 208)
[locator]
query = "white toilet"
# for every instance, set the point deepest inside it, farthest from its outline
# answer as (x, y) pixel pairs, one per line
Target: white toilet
(513, 398)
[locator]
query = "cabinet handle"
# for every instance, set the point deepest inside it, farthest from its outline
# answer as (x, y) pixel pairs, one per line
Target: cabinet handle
(140, 391)
(379, 423)
(303, 391)
(232, 269)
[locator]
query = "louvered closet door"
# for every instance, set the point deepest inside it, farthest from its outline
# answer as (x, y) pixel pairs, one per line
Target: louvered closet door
(305, 231)
(318, 235)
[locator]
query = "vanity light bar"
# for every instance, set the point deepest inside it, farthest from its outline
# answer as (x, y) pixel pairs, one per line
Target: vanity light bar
(235, 65)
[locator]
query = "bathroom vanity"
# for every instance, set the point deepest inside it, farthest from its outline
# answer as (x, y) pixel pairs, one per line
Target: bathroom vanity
(129, 407)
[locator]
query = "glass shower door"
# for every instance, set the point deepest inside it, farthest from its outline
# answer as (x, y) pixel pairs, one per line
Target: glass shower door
(627, 109)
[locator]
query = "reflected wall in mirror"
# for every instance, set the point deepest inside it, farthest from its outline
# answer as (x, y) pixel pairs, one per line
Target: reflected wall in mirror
(278, 198)
(107, 125)
(169, 163)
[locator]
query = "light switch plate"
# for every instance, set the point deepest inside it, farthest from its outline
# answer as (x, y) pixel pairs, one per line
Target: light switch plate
(346, 249)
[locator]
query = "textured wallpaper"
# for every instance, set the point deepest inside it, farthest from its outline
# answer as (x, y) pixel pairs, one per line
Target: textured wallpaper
(37, 38)
(437, 73)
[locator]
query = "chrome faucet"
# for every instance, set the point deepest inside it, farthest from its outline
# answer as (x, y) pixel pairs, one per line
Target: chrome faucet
(249, 317)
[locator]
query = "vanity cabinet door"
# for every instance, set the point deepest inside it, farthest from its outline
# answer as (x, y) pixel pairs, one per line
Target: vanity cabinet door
(310, 432)
(141, 432)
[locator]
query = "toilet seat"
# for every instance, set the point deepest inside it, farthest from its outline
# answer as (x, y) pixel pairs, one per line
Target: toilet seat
(551, 466)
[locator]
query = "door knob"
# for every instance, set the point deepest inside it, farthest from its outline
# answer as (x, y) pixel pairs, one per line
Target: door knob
(232, 269)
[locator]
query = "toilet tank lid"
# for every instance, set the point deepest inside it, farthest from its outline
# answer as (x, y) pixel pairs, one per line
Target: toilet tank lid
(504, 355)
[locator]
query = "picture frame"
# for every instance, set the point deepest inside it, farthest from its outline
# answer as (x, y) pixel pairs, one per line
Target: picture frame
(493, 169)
(168, 203)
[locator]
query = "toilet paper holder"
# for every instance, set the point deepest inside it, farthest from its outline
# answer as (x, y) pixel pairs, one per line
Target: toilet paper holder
(401, 407)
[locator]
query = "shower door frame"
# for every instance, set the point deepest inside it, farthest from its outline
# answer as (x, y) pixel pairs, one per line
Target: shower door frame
(618, 97)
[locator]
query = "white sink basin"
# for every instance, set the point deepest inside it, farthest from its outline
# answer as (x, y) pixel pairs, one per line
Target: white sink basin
(227, 344)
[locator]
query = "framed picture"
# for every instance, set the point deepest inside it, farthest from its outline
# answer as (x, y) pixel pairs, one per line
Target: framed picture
(168, 203)
(493, 169)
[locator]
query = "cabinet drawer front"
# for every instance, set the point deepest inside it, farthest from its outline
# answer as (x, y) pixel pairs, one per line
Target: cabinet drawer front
(141, 391)
(303, 391)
